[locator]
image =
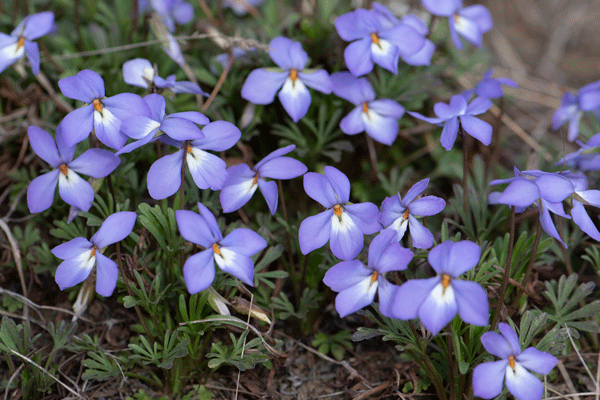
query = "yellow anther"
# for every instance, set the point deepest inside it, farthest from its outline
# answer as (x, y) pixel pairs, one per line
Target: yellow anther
(337, 210)
(188, 148)
(21, 42)
(63, 168)
(94, 251)
(374, 276)
(365, 107)
(97, 105)
(293, 75)
(255, 181)
(375, 38)
(216, 248)
(511, 361)
(406, 213)
(445, 280)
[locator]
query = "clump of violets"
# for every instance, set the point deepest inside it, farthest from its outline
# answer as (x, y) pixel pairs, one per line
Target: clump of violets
(101, 114)
(544, 190)
(400, 214)
(436, 301)
(231, 253)
(460, 114)
(373, 44)
(469, 22)
(512, 368)
(207, 170)
(21, 40)
(572, 107)
(344, 223)
(263, 83)
(357, 283)
(82, 255)
(140, 72)
(242, 182)
(74, 190)
(488, 87)
(177, 126)
(379, 118)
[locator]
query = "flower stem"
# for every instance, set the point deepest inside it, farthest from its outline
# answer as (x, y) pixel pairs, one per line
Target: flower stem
(372, 155)
(449, 353)
(534, 249)
(431, 371)
(465, 169)
(220, 82)
(511, 240)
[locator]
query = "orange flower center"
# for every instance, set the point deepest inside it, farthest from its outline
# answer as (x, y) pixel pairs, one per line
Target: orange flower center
(63, 168)
(375, 38)
(511, 361)
(374, 276)
(188, 148)
(216, 248)
(365, 108)
(406, 213)
(293, 75)
(97, 105)
(21, 42)
(445, 280)
(94, 251)
(337, 210)
(255, 181)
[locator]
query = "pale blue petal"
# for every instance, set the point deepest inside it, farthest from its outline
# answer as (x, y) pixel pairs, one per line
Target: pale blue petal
(164, 175)
(315, 231)
(107, 274)
(40, 193)
(488, 379)
(199, 271)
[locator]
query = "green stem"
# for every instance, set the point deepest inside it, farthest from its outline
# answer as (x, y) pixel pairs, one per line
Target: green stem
(431, 371)
(450, 357)
(506, 270)
(465, 169)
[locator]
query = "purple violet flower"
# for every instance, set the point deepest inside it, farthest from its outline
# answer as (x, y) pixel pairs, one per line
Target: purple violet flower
(458, 112)
(237, 53)
(179, 126)
(262, 83)
(587, 158)
(81, 255)
(488, 87)
(101, 114)
(232, 253)
(580, 197)
(74, 190)
(389, 20)
(514, 366)
(544, 190)
(20, 41)
(572, 107)
(343, 222)
(208, 170)
(379, 118)
(398, 214)
(240, 7)
(171, 11)
(470, 22)
(371, 43)
(437, 300)
(357, 283)
(241, 182)
(140, 72)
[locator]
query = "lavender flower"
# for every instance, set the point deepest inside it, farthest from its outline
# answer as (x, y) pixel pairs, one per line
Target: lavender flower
(81, 255)
(240, 7)
(488, 87)
(242, 182)
(587, 158)
(102, 114)
(171, 11)
(389, 20)
(513, 367)
(437, 300)
(470, 22)
(371, 43)
(379, 118)
(544, 190)
(262, 83)
(580, 197)
(573, 106)
(20, 41)
(398, 214)
(75, 191)
(232, 253)
(208, 170)
(344, 223)
(179, 126)
(357, 283)
(458, 112)
(139, 72)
